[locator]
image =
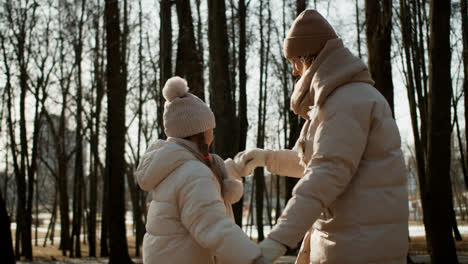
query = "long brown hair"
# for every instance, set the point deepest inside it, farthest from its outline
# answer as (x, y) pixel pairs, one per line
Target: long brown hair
(199, 139)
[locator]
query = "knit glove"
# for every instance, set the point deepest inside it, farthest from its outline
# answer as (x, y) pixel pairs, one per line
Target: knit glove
(250, 159)
(271, 250)
(233, 169)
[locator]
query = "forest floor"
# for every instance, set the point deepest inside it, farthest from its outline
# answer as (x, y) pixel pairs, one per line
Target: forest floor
(51, 254)
(418, 252)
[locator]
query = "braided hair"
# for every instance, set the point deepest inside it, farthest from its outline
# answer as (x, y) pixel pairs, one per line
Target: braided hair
(199, 139)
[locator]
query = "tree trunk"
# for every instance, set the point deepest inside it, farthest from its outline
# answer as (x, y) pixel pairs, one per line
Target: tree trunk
(259, 173)
(188, 64)
(7, 255)
(242, 105)
(165, 57)
(78, 181)
(137, 212)
(94, 144)
(115, 145)
(464, 25)
(220, 79)
(300, 6)
(437, 193)
(379, 42)
(358, 29)
(295, 122)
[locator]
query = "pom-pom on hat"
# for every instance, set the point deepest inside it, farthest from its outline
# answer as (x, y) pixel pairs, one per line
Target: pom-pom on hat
(184, 113)
(308, 35)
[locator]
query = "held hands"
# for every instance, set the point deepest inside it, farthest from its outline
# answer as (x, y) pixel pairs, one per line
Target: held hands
(271, 250)
(248, 160)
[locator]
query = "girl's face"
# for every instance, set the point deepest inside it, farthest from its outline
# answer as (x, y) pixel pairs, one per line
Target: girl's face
(209, 137)
(298, 67)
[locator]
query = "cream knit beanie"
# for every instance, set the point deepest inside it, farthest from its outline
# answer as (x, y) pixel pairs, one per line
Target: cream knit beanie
(184, 113)
(307, 35)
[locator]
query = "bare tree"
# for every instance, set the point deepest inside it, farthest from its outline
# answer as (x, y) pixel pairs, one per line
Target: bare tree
(189, 63)
(221, 100)
(464, 23)
(165, 54)
(295, 122)
(21, 17)
(379, 42)
(7, 253)
(358, 29)
(78, 177)
(437, 189)
(242, 104)
(115, 146)
(94, 125)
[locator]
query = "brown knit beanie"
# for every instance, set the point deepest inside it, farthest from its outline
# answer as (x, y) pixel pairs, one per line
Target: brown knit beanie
(307, 35)
(184, 113)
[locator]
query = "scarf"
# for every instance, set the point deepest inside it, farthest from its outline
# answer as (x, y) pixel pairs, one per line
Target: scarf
(335, 66)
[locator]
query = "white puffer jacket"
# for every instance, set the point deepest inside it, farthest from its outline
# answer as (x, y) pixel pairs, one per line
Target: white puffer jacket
(352, 197)
(188, 220)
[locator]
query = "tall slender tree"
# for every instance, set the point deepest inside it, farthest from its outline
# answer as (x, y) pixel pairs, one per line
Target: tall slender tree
(78, 181)
(242, 104)
(115, 144)
(259, 173)
(437, 186)
(94, 124)
(7, 254)
(464, 25)
(22, 18)
(295, 122)
(165, 56)
(189, 63)
(221, 100)
(379, 43)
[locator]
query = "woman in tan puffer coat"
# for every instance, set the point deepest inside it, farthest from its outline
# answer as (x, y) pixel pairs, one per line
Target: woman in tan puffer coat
(351, 201)
(190, 217)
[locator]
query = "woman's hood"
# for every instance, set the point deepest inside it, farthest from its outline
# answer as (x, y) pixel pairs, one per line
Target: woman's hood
(159, 161)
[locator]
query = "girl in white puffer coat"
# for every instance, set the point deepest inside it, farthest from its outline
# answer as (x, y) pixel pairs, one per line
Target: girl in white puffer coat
(190, 217)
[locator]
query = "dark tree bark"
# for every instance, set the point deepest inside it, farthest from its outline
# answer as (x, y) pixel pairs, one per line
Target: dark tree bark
(220, 79)
(189, 64)
(358, 29)
(200, 45)
(437, 192)
(78, 181)
(137, 193)
(259, 177)
(95, 127)
(464, 18)
(7, 255)
(379, 42)
(295, 122)
(165, 57)
(22, 17)
(242, 105)
(115, 145)
(300, 6)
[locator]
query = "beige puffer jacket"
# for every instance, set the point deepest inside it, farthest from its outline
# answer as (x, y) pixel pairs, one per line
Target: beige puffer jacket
(188, 221)
(352, 197)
